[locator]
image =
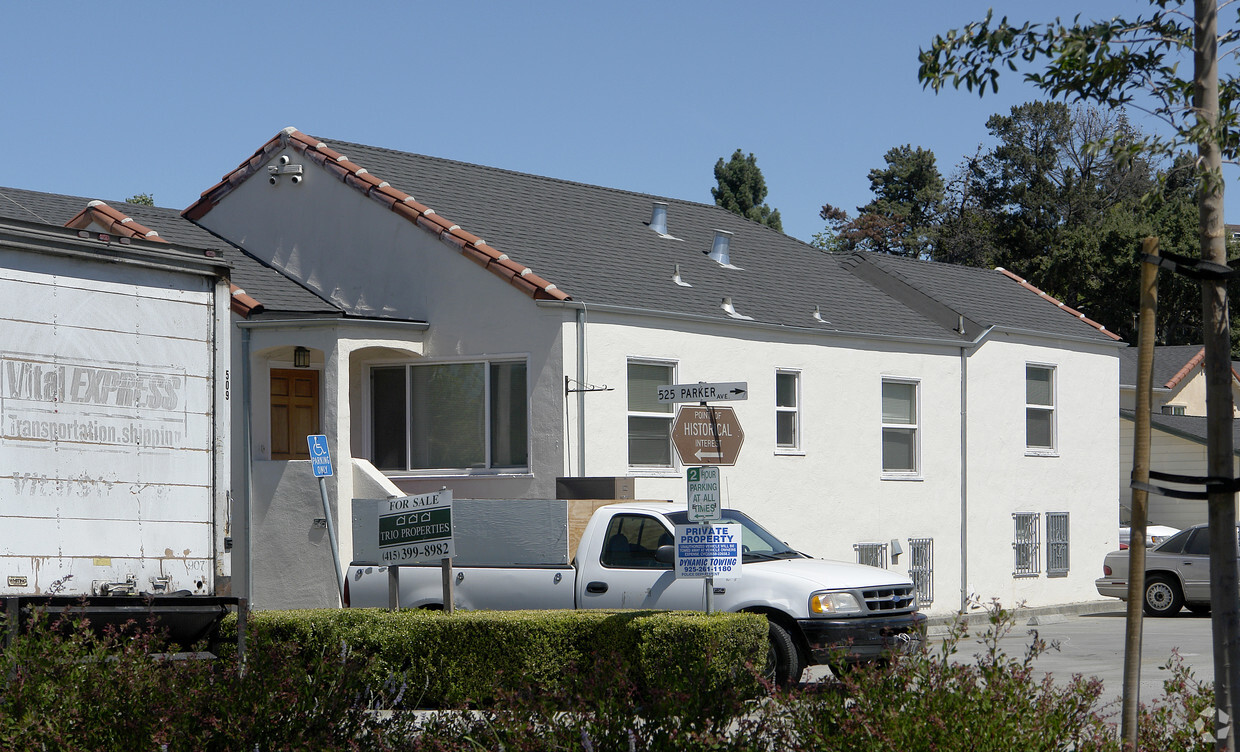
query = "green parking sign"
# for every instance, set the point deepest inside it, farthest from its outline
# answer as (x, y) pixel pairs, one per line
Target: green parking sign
(703, 494)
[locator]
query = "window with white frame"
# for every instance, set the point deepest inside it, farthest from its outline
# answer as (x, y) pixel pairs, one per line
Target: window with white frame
(1039, 408)
(1057, 544)
(650, 421)
(900, 416)
(450, 416)
(1026, 544)
(787, 410)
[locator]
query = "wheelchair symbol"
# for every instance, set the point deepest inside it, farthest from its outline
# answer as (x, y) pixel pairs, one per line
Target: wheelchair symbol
(318, 445)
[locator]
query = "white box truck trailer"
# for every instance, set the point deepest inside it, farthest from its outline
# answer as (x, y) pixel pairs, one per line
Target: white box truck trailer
(114, 442)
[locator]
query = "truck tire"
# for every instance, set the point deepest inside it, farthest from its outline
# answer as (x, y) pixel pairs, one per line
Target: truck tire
(1162, 596)
(783, 662)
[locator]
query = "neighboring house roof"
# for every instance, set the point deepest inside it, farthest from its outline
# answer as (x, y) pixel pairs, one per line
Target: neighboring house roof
(1172, 364)
(557, 239)
(1186, 427)
(257, 287)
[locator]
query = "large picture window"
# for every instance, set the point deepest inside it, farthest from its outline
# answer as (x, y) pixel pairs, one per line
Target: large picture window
(450, 416)
(650, 421)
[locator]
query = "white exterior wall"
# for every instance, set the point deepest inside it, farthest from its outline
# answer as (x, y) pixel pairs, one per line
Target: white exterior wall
(1078, 478)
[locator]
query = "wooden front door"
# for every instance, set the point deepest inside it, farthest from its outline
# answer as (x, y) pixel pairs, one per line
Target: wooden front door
(294, 412)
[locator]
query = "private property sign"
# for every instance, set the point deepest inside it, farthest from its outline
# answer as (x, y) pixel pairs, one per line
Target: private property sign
(708, 551)
(405, 530)
(706, 435)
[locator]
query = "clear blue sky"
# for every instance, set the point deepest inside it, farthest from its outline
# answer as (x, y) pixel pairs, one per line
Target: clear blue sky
(110, 99)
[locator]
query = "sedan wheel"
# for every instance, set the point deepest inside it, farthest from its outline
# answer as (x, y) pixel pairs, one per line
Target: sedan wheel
(1162, 596)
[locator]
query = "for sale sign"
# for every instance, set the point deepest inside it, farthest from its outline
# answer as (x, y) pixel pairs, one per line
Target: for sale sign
(406, 530)
(708, 551)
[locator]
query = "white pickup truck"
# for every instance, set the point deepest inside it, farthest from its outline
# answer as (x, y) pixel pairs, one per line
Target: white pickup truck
(820, 612)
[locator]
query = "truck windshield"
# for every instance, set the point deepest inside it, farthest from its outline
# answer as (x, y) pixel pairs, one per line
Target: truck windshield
(757, 543)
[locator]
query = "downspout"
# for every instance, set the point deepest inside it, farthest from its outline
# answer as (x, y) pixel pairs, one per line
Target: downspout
(581, 395)
(964, 480)
(247, 465)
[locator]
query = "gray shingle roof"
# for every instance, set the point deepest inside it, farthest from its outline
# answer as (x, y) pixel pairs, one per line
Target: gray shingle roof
(1168, 361)
(594, 244)
(276, 292)
(1188, 427)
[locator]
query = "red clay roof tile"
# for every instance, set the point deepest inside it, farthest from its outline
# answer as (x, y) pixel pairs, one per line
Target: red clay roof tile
(1063, 307)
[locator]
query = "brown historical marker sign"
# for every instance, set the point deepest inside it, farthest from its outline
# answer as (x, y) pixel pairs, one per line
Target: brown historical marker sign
(707, 435)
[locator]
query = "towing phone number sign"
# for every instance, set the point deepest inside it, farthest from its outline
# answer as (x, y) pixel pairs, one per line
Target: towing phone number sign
(708, 551)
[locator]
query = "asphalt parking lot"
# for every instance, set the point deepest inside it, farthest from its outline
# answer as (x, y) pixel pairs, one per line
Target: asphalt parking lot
(1092, 644)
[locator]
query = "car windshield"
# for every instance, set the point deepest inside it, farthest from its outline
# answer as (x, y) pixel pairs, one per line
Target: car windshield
(757, 543)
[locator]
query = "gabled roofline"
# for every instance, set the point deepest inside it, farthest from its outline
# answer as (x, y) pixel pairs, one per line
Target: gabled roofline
(1059, 303)
(400, 203)
(121, 225)
(1188, 367)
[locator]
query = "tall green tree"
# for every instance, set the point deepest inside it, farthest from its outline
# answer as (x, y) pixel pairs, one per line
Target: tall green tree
(1137, 61)
(142, 199)
(902, 217)
(742, 190)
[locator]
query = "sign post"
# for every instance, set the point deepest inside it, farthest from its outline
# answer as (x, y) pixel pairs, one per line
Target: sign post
(321, 463)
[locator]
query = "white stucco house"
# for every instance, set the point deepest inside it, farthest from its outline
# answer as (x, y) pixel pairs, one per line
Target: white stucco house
(1177, 430)
(503, 335)
(499, 332)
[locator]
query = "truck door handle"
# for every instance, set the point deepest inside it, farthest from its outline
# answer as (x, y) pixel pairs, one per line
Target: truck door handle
(596, 587)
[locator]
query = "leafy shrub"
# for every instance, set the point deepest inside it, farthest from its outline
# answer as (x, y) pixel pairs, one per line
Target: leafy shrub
(78, 689)
(659, 687)
(474, 657)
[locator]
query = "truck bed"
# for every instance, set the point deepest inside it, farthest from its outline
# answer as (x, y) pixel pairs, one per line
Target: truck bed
(496, 588)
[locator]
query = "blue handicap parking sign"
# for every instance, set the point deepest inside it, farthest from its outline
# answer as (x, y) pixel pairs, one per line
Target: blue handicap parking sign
(320, 459)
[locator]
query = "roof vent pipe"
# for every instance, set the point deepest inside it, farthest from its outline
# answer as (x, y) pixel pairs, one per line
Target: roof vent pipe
(719, 249)
(658, 218)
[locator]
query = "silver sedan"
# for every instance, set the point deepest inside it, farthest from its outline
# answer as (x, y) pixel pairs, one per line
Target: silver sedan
(1177, 574)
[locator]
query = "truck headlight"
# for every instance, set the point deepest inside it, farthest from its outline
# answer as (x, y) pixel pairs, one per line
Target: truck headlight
(834, 603)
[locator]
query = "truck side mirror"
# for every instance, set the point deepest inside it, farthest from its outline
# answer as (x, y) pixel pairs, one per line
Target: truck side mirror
(665, 555)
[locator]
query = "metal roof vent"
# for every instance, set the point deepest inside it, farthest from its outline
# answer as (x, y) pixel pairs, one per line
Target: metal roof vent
(719, 249)
(730, 309)
(658, 218)
(818, 315)
(676, 277)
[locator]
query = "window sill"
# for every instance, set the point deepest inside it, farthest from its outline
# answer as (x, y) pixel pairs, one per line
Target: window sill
(901, 476)
(457, 474)
(1041, 453)
(789, 452)
(654, 472)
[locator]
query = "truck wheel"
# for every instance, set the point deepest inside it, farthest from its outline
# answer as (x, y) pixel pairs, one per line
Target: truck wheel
(783, 663)
(1162, 596)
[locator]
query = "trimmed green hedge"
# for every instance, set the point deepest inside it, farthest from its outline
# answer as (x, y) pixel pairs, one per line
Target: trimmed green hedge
(478, 657)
